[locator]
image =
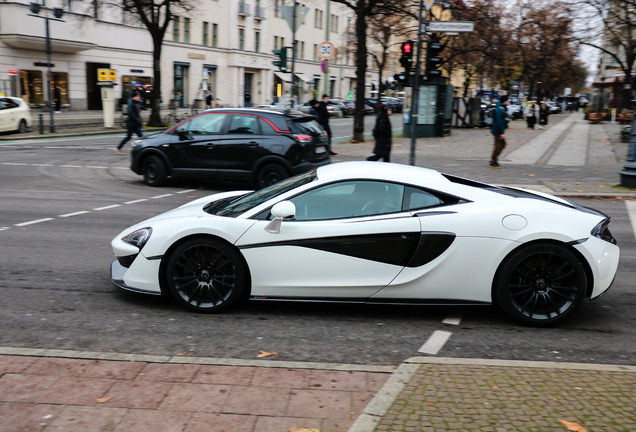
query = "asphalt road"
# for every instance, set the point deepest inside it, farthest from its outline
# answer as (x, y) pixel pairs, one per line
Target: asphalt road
(61, 203)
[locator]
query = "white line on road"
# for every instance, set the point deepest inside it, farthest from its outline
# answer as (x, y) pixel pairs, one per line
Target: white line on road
(42, 165)
(435, 343)
(136, 201)
(100, 167)
(453, 319)
(631, 211)
(161, 196)
(13, 163)
(34, 222)
(71, 166)
(186, 191)
(74, 214)
(107, 207)
(4, 228)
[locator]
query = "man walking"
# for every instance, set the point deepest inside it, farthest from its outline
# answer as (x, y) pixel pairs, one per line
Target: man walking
(498, 130)
(323, 119)
(133, 122)
(57, 98)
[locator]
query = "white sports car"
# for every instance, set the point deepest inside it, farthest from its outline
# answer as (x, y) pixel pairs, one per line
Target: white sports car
(370, 232)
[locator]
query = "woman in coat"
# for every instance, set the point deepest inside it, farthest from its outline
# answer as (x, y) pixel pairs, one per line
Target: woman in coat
(532, 114)
(383, 134)
(543, 114)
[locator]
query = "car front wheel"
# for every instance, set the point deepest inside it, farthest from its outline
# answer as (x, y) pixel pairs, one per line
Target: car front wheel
(22, 127)
(206, 275)
(155, 171)
(270, 174)
(541, 285)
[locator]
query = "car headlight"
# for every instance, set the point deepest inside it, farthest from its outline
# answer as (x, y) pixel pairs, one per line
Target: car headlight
(601, 230)
(136, 143)
(138, 238)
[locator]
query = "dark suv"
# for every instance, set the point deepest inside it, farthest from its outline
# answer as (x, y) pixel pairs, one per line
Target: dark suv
(258, 146)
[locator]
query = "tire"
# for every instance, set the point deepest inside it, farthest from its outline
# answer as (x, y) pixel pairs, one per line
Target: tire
(206, 275)
(269, 174)
(22, 126)
(155, 171)
(541, 285)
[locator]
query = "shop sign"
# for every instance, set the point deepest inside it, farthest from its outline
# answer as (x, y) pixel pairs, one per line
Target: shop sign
(196, 56)
(106, 75)
(12, 72)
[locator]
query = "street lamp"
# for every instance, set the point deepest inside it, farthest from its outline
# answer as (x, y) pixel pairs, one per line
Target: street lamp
(628, 175)
(57, 12)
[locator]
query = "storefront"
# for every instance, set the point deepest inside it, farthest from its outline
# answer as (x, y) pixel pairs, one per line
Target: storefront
(209, 82)
(60, 79)
(32, 87)
(130, 83)
(180, 86)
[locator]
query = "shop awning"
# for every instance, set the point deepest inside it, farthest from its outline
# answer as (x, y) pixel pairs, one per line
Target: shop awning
(285, 77)
(303, 77)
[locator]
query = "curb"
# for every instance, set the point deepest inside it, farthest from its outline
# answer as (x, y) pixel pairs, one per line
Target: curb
(78, 134)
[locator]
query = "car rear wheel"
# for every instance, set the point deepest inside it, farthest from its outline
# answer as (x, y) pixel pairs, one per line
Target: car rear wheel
(155, 171)
(206, 275)
(270, 174)
(22, 127)
(541, 285)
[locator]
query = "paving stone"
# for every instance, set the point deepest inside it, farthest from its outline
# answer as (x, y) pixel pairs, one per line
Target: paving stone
(113, 369)
(137, 394)
(24, 388)
(232, 375)
(168, 372)
(339, 380)
(283, 424)
(204, 422)
(76, 391)
(195, 397)
(57, 367)
(15, 364)
(26, 417)
(139, 420)
(284, 378)
(266, 401)
(331, 404)
(336, 425)
(83, 419)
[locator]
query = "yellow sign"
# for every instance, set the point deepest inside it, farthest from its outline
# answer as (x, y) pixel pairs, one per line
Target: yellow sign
(279, 89)
(106, 75)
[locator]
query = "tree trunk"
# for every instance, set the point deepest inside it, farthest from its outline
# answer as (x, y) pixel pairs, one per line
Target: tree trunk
(361, 70)
(626, 92)
(155, 101)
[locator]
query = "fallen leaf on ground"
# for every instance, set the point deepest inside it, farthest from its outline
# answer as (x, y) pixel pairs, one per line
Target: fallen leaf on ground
(577, 183)
(182, 354)
(429, 404)
(555, 399)
(102, 400)
(294, 429)
(574, 427)
(269, 354)
(192, 196)
(495, 387)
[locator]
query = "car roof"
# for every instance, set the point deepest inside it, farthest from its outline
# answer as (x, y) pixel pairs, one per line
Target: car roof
(382, 171)
(270, 110)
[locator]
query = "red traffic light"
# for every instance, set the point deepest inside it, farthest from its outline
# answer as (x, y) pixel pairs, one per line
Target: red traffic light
(407, 47)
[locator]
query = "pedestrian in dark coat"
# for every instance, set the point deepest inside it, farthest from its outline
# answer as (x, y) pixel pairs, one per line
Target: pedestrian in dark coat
(323, 119)
(208, 100)
(383, 134)
(498, 131)
(133, 122)
(313, 110)
(57, 98)
(544, 112)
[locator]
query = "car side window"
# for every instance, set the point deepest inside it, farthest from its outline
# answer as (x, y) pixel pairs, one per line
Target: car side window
(3, 104)
(349, 199)
(415, 199)
(242, 124)
(266, 128)
(205, 124)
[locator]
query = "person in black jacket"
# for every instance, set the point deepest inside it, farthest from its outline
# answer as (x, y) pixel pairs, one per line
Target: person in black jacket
(323, 119)
(383, 134)
(133, 122)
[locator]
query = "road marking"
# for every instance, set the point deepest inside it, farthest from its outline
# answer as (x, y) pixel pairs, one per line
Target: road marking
(4, 228)
(161, 196)
(435, 343)
(100, 167)
(34, 222)
(186, 191)
(631, 211)
(136, 201)
(71, 166)
(107, 207)
(42, 165)
(453, 319)
(13, 163)
(74, 214)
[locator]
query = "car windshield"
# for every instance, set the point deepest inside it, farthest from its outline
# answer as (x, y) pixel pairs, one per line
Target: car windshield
(307, 127)
(247, 202)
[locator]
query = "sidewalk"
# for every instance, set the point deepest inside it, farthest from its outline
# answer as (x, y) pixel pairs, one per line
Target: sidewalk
(55, 390)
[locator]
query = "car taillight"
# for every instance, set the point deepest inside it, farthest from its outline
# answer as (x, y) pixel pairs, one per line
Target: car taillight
(303, 138)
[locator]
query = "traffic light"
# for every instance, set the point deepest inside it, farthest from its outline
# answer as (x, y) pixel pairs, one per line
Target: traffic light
(433, 59)
(402, 79)
(407, 55)
(282, 58)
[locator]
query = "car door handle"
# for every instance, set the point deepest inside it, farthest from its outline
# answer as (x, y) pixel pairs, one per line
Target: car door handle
(252, 143)
(209, 146)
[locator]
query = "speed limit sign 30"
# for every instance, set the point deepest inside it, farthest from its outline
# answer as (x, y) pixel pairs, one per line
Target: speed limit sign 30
(326, 50)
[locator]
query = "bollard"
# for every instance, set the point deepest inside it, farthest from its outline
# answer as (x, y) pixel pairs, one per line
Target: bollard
(41, 123)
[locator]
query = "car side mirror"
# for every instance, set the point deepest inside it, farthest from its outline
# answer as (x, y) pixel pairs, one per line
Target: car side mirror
(184, 134)
(280, 211)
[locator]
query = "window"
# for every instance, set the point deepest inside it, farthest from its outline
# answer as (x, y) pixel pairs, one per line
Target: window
(175, 28)
(317, 18)
(419, 199)
(277, 8)
(275, 42)
(349, 199)
(302, 50)
(206, 124)
(241, 39)
(334, 24)
(186, 30)
(95, 8)
(206, 27)
(242, 124)
(257, 41)
(315, 52)
(215, 32)
(282, 42)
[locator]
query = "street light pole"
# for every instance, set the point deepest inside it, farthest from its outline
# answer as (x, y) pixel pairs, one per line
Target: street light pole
(416, 86)
(58, 12)
(293, 65)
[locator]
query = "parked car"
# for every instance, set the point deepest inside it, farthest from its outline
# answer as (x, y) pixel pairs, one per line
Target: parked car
(553, 107)
(372, 233)
(15, 114)
(258, 146)
(332, 108)
(347, 107)
(515, 112)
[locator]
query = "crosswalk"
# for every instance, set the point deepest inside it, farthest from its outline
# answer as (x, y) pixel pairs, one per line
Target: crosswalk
(571, 142)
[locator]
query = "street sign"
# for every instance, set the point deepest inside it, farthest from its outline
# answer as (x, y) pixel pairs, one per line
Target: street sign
(451, 26)
(323, 66)
(12, 72)
(326, 50)
(288, 15)
(428, 4)
(106, 75)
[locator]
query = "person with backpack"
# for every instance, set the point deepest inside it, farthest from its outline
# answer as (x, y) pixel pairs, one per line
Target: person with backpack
(498, 130)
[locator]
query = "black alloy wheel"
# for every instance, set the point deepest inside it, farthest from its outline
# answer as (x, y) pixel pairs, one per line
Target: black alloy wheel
(155, 171)
(206, 275)
(22, 127)
(541, 285)
(270, 174)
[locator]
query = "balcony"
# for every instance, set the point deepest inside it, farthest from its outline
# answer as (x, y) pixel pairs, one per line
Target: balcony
(244, 9)
(259, 13)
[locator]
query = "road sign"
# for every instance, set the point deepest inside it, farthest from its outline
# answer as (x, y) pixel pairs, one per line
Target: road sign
(428, 4)
(451, 26)
(323, 66)
(106, 75)
(12, 72)
(326, 50)
(288, 15)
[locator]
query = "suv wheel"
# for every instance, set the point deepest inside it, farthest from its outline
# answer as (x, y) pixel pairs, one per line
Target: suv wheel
(155, 171)
(270, 174)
